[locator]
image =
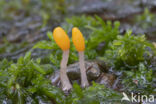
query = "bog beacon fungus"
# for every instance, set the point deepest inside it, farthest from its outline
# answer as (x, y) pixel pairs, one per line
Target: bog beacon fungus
(79, 43)
(62, 40)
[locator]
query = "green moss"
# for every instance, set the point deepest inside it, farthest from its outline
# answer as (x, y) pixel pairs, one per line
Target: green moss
(95, 94)
(26, 79)
(145, 20)
(140, 80)
(127, 51)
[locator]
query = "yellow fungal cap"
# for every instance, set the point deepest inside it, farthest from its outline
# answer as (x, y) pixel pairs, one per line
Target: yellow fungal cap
(78, 39)
(61, 38)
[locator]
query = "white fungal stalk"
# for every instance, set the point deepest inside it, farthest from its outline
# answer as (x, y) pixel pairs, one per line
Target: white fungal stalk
(66, 85)
(84, 81)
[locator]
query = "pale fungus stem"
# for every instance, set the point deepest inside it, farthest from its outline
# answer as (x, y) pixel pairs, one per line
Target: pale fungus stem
(64, 60)
(63, 75)
(84, 81)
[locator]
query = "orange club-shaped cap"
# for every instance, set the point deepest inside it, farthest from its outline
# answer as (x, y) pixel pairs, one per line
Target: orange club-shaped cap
(78, 39)
(61, 38)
